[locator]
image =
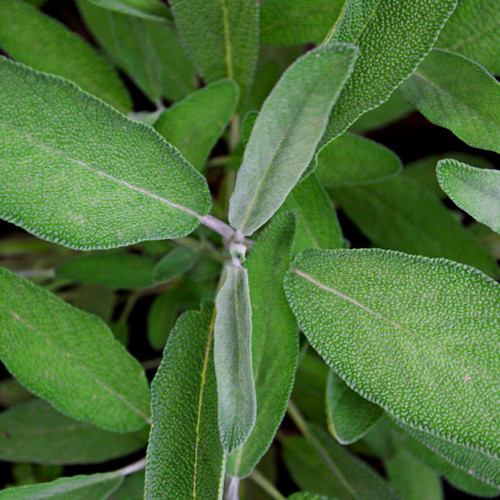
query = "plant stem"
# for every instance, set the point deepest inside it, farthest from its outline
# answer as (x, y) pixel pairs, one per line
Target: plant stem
(298, 419)
(266, 485)
(151, 364)
(218, 226)
(232, 490)
(130, 469)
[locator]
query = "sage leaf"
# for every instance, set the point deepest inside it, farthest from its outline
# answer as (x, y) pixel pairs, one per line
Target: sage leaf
(70, 358)
(474, 190)
(162, 316)
(185, 457)
(33, 432)
(470, 108)
(285, 135)
(132, 488)
(374, 314)
(154, 10)
(35, 39)
(237, 404)
(177, 262)
(12, 392)
(275, 342)
(75, 171)
(303, 495)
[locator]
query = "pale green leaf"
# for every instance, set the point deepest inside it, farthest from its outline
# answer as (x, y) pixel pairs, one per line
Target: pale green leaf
(185, 458)
(76, 172)
(469, 106)
(285, 135)
(179, 261)
(161, 317)
(35, 39)
(148, 9)
(237, 404)
(274, 340)
(70, 358)
(374, 314)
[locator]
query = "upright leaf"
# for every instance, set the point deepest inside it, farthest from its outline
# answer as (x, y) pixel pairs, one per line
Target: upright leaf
(76, 172)
(285, 135)
(70, 358)
(154, 10)
(274, 340)
(185, 458)
(374, 314)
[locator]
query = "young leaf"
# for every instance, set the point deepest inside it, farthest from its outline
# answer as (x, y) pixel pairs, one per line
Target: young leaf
(35, 39)
(474, 190)
(69, 358)
(162, 316)
(196, 123)
(237, 404)
(34, 432)
(374, 314)
(350, 416)
(185, 458)
(469, 107)
(77, 172)
(286, 133)
(274, 340)
(154, 10)
(179, 261)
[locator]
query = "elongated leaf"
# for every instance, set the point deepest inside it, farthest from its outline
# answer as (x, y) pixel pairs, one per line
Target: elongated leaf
(196, 123)
(286, 133)
(177, 262)
(474, 190)
(69, 358)
(162, 316)
(237, 404)
(34, 432)
(44, 44)
(303, 495)
(268, 72)
(470, 108)
(351, 159)
(221, 36)
(274, 340)
(373, 314)
(185, 458)
(401, 215)
(76, 172)
(350, 416)
(474, 31)
(150, 52)
(147, 9)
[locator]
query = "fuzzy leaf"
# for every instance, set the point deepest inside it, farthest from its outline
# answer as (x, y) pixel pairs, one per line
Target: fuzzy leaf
(154, 10)
(179, 261)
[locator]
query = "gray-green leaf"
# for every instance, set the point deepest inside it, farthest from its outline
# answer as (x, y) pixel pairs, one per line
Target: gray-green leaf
(154, 10)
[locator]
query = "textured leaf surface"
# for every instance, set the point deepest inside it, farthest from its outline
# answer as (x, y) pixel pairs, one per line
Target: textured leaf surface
(233, 359)
(33, 432)
(35, 39)
(469, 106)
(474, 190)
(69, 358)
(148, 9)
(275, 340)
(177, 262)
(196, 123)
(285, 135)
(185, 457)
(76, 172)
(374, 314)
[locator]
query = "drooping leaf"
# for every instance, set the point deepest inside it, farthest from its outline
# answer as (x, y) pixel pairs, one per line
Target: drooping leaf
(274, 340)
(179, 261)
(237, 404)
(185, 458)
(194, 124)
(286, 133)
(76, 172)
(34, 432)
(161, 317)
(373, 314)
(35, 39)
(70, 358)
(470, 107)
(154, 10)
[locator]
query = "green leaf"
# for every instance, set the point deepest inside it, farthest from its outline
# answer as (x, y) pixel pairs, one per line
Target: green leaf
(275, 342)
(41, 42)
(400, 214)
(70, 358)
(233, 359)
(178, 261)
(96, 487)
(195, 124)
(474, 190)
(489, 239)
(95, 300)
(469, 106)
(150, 52)
(221, 36)
(350, 416)
(162, 316)
(304, 495)
(34, 432)
(473, 30)
(154, 10)
(12, 392)
(185, 458)
(131, 489)
(374, 314)
(286, 133)
(285, 22)
(351, 159)
(269, 70)
(107, 181)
